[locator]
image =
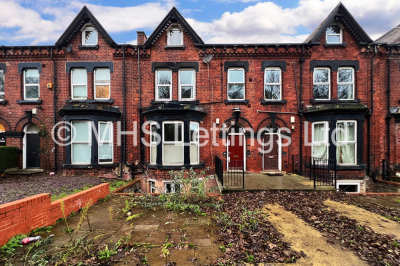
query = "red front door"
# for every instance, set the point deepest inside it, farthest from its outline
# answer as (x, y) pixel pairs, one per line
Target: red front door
(236, 152)
(271, 159)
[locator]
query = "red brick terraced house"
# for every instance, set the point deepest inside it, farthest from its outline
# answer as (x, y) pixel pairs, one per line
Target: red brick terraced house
(173, 84)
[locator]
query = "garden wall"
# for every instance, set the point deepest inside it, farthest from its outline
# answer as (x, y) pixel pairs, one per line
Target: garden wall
(22, 216)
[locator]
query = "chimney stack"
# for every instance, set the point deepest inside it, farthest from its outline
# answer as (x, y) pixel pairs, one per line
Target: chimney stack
(141, 37)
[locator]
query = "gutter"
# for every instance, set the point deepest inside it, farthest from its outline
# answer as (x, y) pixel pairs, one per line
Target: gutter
(54, 105)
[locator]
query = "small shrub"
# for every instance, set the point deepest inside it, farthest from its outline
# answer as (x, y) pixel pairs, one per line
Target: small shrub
(106, 253)
(9, 248)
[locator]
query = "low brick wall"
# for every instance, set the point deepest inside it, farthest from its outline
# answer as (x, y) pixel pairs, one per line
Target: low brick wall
(22, 216)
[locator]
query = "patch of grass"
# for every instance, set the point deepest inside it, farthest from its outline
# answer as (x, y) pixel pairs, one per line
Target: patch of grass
(116, 184)
(250, 258)
(222, 248)
(67, 230)
(65, 194)
(105, 198)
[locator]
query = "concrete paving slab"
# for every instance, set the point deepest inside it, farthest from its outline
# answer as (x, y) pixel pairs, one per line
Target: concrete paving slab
(205, 242)
(145, 227)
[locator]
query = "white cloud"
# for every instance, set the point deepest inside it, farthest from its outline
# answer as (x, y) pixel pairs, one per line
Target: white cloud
(133, 42)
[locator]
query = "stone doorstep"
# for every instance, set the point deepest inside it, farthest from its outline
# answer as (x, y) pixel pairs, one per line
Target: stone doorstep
(16, 171)
(273, 173)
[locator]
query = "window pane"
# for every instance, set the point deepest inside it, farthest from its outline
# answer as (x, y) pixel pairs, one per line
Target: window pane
(346, 154)
(319, 132)
(236, 76)
(333, 29)
(320, 151)
(163, 92)
(79, 91)
(153, 131)
(173, 132)
(90, 37)
(186, 92)
(321, 92)
(103, 91)
(31, 92)
(105, 153)
(345, 75)
(81, 132)
(346, 131)
(272, 92)
(31, 76)
(105, 132)
(153, 158)
(164, 76)
(345, 91)
(175, 37)
(194, 153)
(1, 82)
(81, 153)
(173, 154)
(194, 131)
(236, 91)
(272, 76)
(321, 75)
(333, 38)
(79, 76)
(103, 75)
(186, 77)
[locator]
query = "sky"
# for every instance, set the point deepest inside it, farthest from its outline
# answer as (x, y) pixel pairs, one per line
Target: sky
(41, 22)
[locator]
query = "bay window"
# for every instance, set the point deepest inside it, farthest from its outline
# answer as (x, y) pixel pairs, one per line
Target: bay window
(321, 83)
(102, 83)
(194, 143)
(1, 85)
(272, 86)
(153, 144)
(346, 142)
(345, 83)
(187, 81)
(320, 140)
(163, 84)
(173, 147)
(105, 142)
(81, 142)
(79, 83)
(236, 84)
(31, 84)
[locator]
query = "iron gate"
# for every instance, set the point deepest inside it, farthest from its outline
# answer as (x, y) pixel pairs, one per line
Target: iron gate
(322, 171)
(232, 178)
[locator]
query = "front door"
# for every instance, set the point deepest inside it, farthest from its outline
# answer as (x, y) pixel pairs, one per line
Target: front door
(271, 154)
(32, 151)
(236, 148)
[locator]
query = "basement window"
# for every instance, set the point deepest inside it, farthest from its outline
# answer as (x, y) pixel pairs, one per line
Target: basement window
(349, 188)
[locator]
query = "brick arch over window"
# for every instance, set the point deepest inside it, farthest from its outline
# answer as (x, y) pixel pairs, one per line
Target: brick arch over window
(5, 123)
(272, 121)
(25, 121)
(241, 121)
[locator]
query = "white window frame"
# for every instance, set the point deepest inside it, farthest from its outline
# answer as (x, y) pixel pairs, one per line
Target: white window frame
(73, 84)
(89, 28)
(349, 184)
(347, 83)
(326, 141)
(331, 34)
(183, 85)
(244, 83)
(323, 83)
(349, 142)
(195, 142)
(25, 84)
(163, 85)
(100, 142)
(152, 143)
(152, 188)
(174, 27)
(101, 84)
(173, 142)
(81, 142)
(4, 78)
(273, 84)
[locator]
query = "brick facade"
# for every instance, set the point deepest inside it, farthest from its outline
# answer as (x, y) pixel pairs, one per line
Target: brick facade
(211, 95)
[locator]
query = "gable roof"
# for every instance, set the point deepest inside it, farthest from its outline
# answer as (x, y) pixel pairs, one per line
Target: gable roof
(83, 17)
(173, 17)
(342, 15)
(391, 37)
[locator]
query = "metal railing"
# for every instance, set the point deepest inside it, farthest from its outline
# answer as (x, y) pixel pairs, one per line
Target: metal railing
(219, 170)
(323, 171)
(234, 176)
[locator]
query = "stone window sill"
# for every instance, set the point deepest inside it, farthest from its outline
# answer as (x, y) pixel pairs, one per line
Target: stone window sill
(109, 101)
(273, 101)
(236, 101)
(29, 101)
(175, 102)
(172, 47)
(88, 47)
(335, 44)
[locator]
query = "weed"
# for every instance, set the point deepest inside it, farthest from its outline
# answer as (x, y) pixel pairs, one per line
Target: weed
(397, 200)
(222, 248)
(395, 244)
(62, 207)
(104, 199)
(144, 260)
(250, 258)
(230, 245)
(360, 228)
(134, 216)
(106, 253)
(9, 248)
(67, 230)
(41, 230)
(72, 214)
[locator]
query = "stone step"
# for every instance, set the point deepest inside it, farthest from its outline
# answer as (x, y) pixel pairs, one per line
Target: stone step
(273, 173)
(16, 171)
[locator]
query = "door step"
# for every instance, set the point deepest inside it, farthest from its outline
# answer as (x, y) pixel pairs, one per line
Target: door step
(16, 171)
(273, 173)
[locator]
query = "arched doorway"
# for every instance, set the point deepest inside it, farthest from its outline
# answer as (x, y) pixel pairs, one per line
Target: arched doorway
(236, 149)
(31, 158)
(272, 149)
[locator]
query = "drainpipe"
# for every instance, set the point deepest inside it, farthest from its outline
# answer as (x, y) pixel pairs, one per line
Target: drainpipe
(140, 111)
(369, 118)
(54, 106)
(388, 118)
(123, 147)
(301, 110)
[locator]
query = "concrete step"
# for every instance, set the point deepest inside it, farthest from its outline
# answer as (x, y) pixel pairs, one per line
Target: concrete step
(273, 173)
(16, 171)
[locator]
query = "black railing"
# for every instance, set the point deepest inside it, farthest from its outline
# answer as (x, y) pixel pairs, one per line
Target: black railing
(231, 177)
(323, 171)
